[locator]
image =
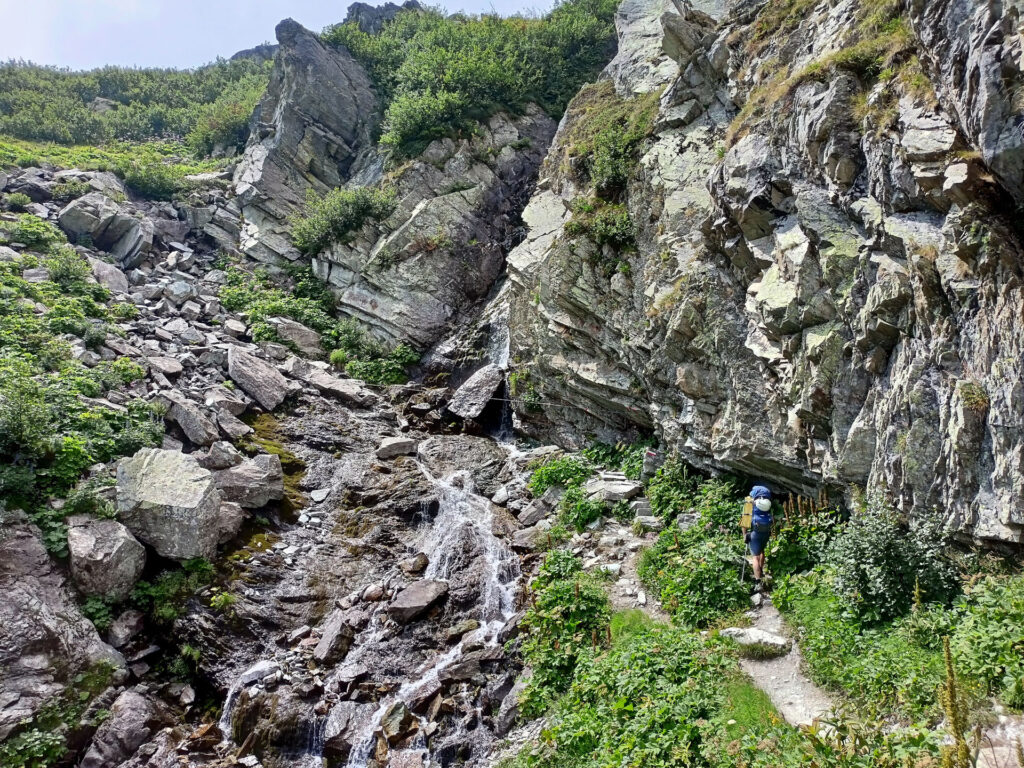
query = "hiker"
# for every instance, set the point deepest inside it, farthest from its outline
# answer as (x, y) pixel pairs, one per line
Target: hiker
(760, 529)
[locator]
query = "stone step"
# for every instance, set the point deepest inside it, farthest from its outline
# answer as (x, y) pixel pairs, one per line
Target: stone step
(640, 507)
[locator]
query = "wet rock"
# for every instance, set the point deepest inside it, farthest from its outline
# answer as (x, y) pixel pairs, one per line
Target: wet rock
(133, 719)
(392, 447)
(346, 721)
(416, 599)
(416, 564)
(444, 455)
(337, 635)
(262, 381)
(398, 723)
(106, 560)
(472, 397)
(171, 503)
(464, 627)
(253, 483)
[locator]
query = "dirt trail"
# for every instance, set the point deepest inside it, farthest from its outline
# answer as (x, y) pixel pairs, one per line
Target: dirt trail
(794, 695)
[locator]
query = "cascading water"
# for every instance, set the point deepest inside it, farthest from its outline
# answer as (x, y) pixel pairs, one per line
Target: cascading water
(460, 510)
(462, 516)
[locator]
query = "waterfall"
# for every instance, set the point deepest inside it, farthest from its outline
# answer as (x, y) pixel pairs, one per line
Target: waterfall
(460, 510)
(461, 514)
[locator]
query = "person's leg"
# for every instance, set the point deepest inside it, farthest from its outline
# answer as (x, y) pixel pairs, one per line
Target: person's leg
(759, 566)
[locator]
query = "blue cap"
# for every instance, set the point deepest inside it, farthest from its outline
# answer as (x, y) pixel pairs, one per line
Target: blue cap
(760, 492)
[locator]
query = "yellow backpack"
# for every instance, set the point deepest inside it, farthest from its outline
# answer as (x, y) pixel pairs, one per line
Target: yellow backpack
(747, 515)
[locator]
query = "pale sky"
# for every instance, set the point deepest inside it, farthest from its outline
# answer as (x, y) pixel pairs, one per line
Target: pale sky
(83, 34)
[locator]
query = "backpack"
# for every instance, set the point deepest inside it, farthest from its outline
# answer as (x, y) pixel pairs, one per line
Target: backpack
(760, 521)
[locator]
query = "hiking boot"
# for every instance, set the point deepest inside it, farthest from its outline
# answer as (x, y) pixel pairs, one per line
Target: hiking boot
(758, 586)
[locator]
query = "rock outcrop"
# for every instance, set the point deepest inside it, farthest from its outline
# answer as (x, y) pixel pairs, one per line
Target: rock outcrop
(816, 296)
(44, 640)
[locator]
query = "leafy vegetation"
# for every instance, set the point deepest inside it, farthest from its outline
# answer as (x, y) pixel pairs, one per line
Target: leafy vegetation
(879, 563)
(567, 620)
(260, 298)
(559, 470)
(332, 218)
(437, 75)
(49, 435)
(206, 104)
(164, 598)
(627, 458)
(155, 169)
(42, 741)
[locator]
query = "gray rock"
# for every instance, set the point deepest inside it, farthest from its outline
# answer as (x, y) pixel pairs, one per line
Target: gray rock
(45, 641)
(168, 366)
(752, 636)
(232, 517)
(193, 422)
(221, 455)
(259, 379)
(306, 340)
(105, 558)
(391, 447)
(171, 503)
(472, 397)
(133, 720)
(416, 599)
(109, 276)
(336, 638)
(126, 626)
(253, 483)
(444, 455)
(110, 226)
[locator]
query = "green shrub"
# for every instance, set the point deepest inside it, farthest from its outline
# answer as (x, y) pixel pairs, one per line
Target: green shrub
(567, 620)
(33, 231)
(69, 190)
(339, 359)
(565, 471)
(225, 122)
(576, 510)
(671, 489)
(332, 218)
(164, 599)
(439, 74)
(878, 562)
(33, 748)
(988, 642)
(17, 201)
(389, 369)
(604, 223)
(67, 267)
(98, 611)
(627, 458)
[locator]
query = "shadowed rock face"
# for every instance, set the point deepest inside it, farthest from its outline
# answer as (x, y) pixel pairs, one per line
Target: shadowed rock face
(815, 298)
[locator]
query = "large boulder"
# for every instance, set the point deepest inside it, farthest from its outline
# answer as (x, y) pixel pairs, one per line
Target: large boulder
(170, 502)
(105, 558)
(253, 483)
(472, 397)
(133, 720)
(416, 599)
(258, 378)
(44, 640)
(110, 226)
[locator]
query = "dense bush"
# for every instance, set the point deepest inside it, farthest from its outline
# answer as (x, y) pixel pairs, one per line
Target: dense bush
(567, 620)
(576, 510)
(49, 104)
(671, 489)
(438, 74)
(224, 123)
(559, 470)
(332, 218)
(164, 598)
(879, 563)
(604, 223)
(988, 641)
(17, 201)
(627, 458)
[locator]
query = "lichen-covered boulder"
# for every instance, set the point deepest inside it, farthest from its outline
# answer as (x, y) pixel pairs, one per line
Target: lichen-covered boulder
(171, 503)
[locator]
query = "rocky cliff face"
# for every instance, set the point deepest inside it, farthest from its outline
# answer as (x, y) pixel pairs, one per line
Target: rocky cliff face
(824, 287)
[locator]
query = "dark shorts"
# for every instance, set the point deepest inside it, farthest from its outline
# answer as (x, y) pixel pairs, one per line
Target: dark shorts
(758, 541)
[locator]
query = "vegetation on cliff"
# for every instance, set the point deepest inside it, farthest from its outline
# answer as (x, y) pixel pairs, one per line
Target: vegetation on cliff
(438, 74)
